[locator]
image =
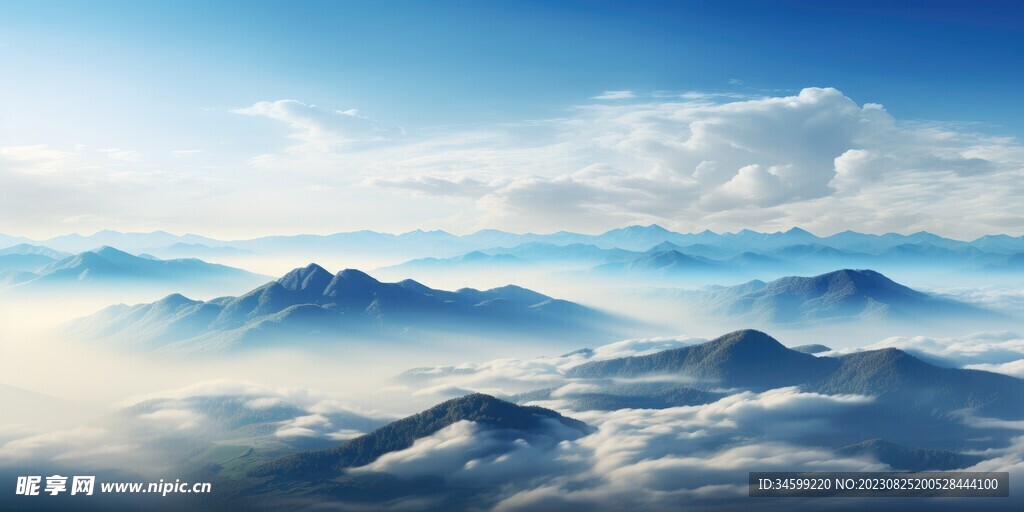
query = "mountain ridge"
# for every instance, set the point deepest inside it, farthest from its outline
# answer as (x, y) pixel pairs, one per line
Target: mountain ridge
(837, 296)
(311, 303)
(399, 435)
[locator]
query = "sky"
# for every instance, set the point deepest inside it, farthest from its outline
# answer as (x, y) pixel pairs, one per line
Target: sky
(235, 120)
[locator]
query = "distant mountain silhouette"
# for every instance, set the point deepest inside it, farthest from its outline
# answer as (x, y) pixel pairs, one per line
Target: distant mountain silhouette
(27, 258)
(34, 249)
(399, 435)
(24, 262)
(660, 262)
(312, 303)
(835, 296)
(846, 249)
(110, 266)
(474, 259)
(196, 250)
(547, 252)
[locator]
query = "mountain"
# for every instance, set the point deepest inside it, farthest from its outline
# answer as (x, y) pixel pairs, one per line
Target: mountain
(440, 244)
(484, 410)
(312, 303)
(644, 395)
(861, 242)
(7, 240)
(902, 458)
(127, 241)
(752, 359)
(816, 252)
(814, 348)
(547, 252)
(475, 259)
(24, 262)
(637, 237)
(108, 266)
(28, 257)
(1011, 263)
(1000, 244)
(842, 295)
(670, 262)
(194, 250)
(417, 243)
(741, 359)
(26, 249)
(929, 254)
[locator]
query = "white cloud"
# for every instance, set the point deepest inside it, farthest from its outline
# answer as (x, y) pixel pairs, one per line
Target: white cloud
(615, 95)
(319, 128)
(727, 163)
(1012, 368)
(123, 155)
(458, 186)
(646, 459)
(510, 376)
(689, 161)
(152, 433)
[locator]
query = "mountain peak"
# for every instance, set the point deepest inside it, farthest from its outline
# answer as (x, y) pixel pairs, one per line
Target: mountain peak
(310, 277)
(108, 251)
(412, 284)
(173, 300)
(636, 228)
(519, 293)
(747, 339)
(665, 246)
(745, 358)
(352, 274)
(351, 281)
(482, 408)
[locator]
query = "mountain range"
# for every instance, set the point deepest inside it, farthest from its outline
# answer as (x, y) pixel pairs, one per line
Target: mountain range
(725, 257)
(28, 257)
(913, 403)
(913, 415)
(109, 267)
(443, 244)
(841, 295)
(310, 303)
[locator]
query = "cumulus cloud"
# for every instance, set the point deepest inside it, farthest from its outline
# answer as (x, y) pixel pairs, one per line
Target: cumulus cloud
(690, 161)
(732, 162)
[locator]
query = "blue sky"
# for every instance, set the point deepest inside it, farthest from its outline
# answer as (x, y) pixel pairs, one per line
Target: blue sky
(152, 82)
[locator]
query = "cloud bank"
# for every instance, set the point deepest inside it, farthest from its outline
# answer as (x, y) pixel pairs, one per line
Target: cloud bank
(816, 159)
